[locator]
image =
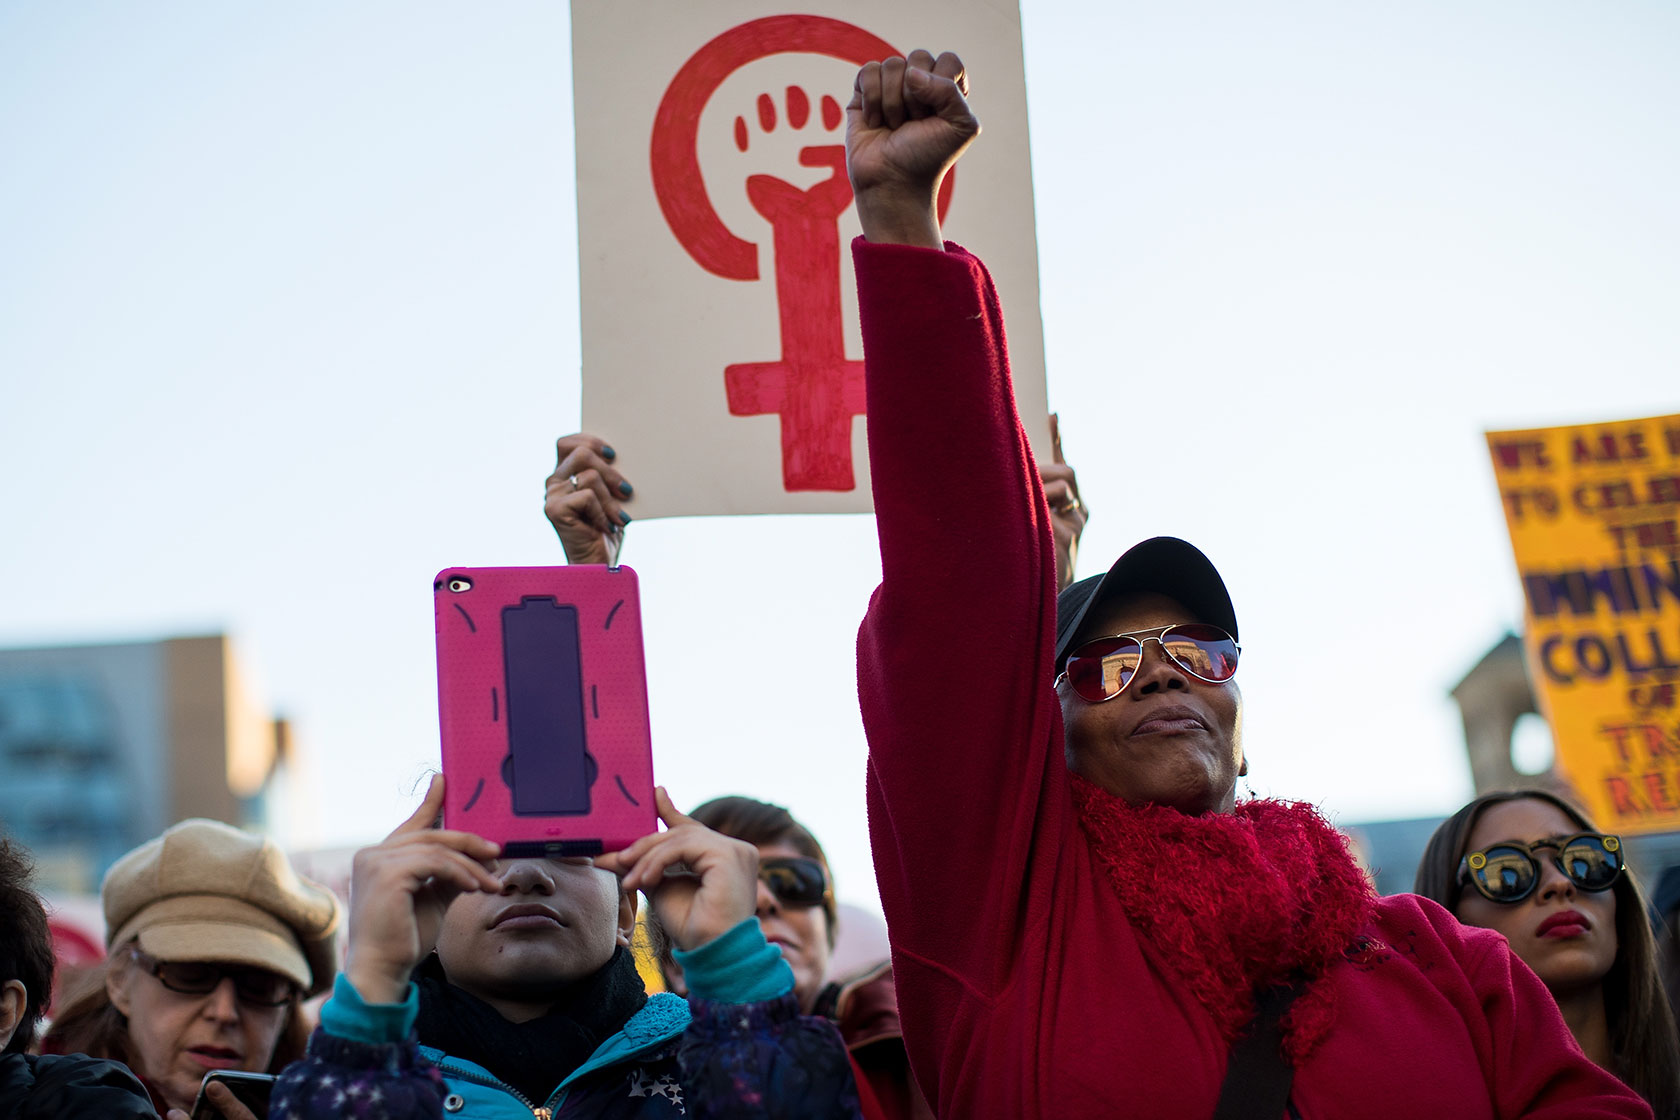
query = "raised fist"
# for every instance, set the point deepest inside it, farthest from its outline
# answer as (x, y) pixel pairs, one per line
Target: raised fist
(907, 123)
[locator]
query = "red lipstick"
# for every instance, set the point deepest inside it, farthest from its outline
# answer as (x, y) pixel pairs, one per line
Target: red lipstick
(1564, 924)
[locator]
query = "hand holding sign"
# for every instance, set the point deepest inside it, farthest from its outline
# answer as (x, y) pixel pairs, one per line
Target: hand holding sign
(1068, 512)
(907, 123)
(584, 499)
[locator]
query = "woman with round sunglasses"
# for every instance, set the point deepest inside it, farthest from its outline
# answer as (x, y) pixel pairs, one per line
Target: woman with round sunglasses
(213, 943)
(1085, 920)
(1529, 865)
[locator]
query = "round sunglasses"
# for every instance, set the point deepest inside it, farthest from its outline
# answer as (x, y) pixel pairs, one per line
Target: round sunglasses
(1101, 668)
(1507, 872)
(795, 881)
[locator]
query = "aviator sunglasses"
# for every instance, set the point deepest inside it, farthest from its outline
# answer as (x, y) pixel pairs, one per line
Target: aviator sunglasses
(257, 987)
(1101, 668)
(795, 881)
(1508, 872)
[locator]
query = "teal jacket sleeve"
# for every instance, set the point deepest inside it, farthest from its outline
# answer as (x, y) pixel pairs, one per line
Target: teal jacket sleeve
(738, 966)
(347, 1015)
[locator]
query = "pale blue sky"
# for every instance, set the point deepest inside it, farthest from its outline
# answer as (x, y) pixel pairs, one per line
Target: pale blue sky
(288, 322)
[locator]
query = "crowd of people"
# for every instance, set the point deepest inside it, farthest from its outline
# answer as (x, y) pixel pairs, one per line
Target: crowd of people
(1085, 919)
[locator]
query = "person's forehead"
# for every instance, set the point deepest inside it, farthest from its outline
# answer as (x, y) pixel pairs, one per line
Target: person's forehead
(1527, 819)
(781, 849)
(1135, 610)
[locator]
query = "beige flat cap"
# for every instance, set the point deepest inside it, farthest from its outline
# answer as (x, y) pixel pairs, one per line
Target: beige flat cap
(205, 891)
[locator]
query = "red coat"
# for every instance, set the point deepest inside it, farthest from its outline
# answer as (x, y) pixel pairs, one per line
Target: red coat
(1023, 988)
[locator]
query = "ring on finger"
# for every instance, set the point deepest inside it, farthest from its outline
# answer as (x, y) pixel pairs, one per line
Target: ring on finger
(1072, 505)
(572, 478)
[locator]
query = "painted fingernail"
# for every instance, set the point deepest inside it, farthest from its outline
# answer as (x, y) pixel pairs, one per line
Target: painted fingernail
(608, 453)
(624, 517)
(626, 489)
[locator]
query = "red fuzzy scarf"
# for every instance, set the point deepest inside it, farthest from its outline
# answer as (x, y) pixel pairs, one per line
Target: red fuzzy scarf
(1234, 902)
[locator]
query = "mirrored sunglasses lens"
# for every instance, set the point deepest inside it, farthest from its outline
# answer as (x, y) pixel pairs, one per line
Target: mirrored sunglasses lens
(1206, 651)
(1590, 864)
(1100, 669)
(1508, 876)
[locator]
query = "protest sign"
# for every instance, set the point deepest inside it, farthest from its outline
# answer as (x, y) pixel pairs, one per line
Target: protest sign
(1594, 514)
(721, 351)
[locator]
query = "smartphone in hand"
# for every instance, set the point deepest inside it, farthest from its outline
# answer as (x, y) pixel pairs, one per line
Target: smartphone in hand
(249, 1089)
(542, 705)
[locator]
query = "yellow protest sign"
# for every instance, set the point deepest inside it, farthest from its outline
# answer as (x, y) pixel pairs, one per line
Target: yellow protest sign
(1594, 514)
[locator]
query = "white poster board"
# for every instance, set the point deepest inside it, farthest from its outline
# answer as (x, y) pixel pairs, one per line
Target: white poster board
(721, 349)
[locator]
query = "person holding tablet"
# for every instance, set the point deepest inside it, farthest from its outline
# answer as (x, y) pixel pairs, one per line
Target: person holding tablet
(490, 987)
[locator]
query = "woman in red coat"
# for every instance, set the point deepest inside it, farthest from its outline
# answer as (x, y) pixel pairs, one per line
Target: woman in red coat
(1084, 918)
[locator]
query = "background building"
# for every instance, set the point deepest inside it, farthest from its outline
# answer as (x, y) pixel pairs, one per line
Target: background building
(104, 746)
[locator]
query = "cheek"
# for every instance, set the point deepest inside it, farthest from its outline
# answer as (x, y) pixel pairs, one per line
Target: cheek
(821, 937)
(601, 910)
(262, 1035)
(1474, 910)
(1081, 724)
(812, 927)
(1604, 911)
(455, 934)
(1226, 703)
(155, 1029)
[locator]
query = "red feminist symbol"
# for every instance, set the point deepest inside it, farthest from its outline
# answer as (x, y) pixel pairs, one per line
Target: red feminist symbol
(812, 387)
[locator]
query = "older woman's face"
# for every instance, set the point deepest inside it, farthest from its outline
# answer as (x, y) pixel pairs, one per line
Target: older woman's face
(174, 1038)
(1170, 738)
(1565, 934)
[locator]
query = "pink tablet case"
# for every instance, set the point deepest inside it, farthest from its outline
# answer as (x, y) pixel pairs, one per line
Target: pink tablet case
(542, 702)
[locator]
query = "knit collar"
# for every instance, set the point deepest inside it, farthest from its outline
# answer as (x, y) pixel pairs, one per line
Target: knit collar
(1267, 895)
(535, 1056)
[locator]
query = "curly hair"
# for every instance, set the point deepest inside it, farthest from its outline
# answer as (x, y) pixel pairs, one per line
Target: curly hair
(26, 949)
(1643, 1037)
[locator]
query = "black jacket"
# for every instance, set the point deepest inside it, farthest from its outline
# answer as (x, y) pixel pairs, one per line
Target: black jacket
(48, 1087)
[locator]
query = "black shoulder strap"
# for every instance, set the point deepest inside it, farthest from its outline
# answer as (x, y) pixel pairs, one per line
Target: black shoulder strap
(1258, 1077)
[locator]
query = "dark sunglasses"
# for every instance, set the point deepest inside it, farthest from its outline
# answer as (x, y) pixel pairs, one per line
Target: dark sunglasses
(1508, 872)
(255, 986)
(795, 881)
(1101, 668)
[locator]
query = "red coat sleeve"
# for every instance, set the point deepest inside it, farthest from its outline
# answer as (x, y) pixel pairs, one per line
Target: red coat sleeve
(966, 777)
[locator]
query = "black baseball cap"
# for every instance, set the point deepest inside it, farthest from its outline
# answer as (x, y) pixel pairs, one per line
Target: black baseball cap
(1165, 565)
